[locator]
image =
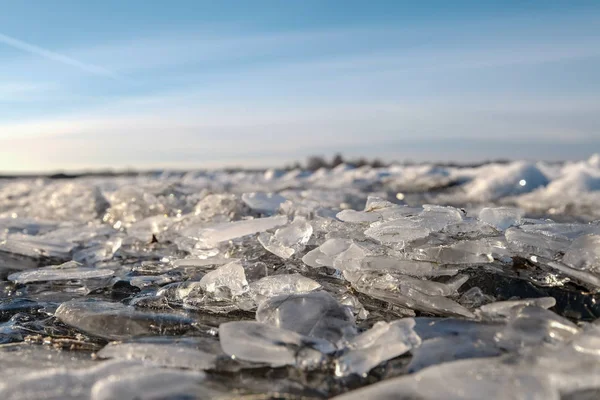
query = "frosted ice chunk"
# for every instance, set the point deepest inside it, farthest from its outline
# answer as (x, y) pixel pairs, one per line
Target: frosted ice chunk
(164, 355)
(501, 218)
(314, 314)
(382, 342)
(584, 253)
(65, 272)
(264, 343)
(287, 240)
(276, 285)
(265, 203)
(215, 234)
(225, 282)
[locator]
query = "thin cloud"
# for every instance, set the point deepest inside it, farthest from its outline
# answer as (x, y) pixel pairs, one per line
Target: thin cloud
(53, 56)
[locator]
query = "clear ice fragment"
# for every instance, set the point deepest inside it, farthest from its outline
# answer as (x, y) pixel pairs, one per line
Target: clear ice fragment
(163, 355)
(382, 342)
(506, 308)
(276, 285)
(117, 321)
(501, 218)
(265, 203)
(314, 314)
(288, 240)
(216, 234)
(65, 272)
(584, 253)
(264, 343)
(225, 282)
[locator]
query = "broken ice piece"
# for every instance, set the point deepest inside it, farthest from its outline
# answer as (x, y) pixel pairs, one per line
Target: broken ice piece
(375, 203)
(506, 308)
(202, 263)
(405, 267)
(584, 253)
(102, 381)
(216, 234)
(314, 314)
(501, 218)
(462, 252)
(531, 325)
(264, 343)
(155, 225)
(225, 282)
(534, 243)
(276, 285)
(117, 321)
(358, 216)
(471, 379)
(469, 229)
(164, 355)
(382, 342)
(435, 218)
(151, 383)
(97, 251)
(324, 255)
(36, 246)
(401, 231)
(264, 203)
(350, 261)
(287, 240)
(68, 271)
(390, 289)
(451, 348)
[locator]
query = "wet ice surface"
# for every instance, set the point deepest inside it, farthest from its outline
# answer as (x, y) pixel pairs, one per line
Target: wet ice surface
(420, 282)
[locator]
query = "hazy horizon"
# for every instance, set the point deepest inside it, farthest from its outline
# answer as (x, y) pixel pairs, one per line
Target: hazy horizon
(200, 84)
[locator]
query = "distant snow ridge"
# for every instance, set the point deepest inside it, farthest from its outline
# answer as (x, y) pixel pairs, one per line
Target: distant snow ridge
(424, 282)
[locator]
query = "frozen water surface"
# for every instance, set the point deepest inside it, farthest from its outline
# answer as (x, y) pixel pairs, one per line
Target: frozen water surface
(422, 282)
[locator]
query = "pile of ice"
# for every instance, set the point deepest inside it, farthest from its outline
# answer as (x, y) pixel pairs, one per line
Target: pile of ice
(420, 282)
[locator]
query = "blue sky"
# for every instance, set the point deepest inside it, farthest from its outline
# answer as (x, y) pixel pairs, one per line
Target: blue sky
(185, 84)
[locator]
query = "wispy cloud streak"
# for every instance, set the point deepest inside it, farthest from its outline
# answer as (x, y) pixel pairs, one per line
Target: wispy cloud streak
(57, 57)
